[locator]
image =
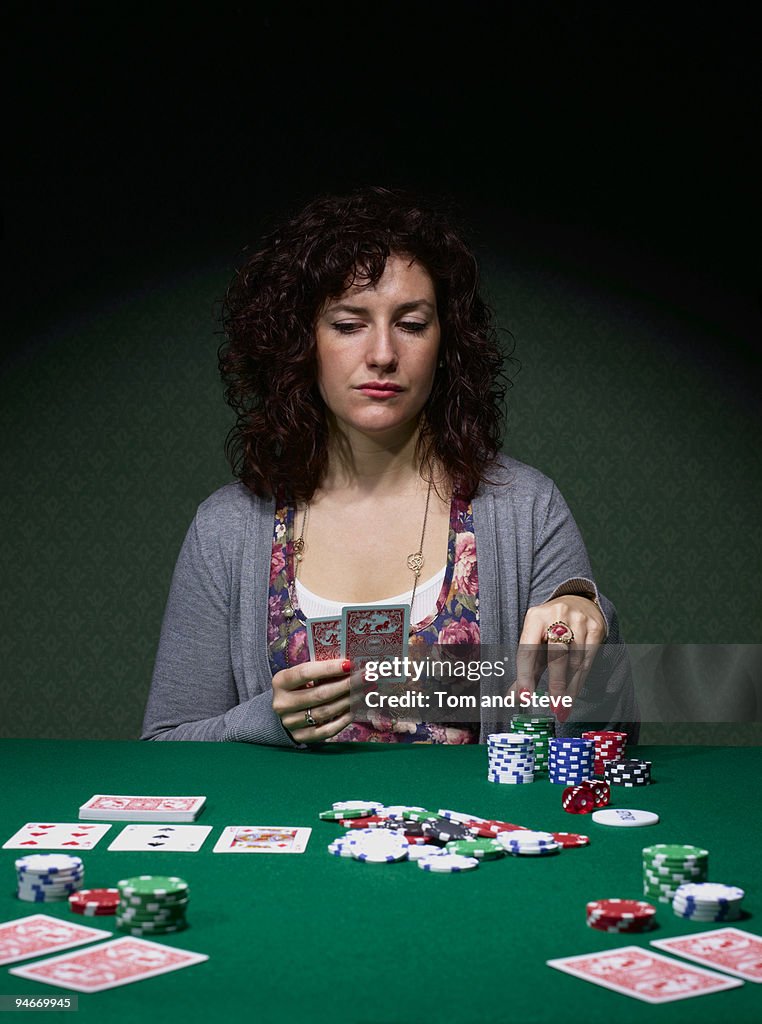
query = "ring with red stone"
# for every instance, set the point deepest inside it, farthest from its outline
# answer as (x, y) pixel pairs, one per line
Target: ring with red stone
(559, 633)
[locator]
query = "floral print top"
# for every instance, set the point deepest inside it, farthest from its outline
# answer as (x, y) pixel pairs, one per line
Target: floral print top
(455, 620)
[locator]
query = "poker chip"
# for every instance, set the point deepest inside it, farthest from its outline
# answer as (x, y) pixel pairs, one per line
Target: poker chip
(365, 807)
(628, 772)
(419, 852)
(542, 729)
(488, 829)
(94, 902)
(620, 915)
(708, 901)
(570, 760)
(625, 817)
(372, 821)
(511, 758)
(448, 863)
(608, 746)
(377, 846)
(482, 849)
(668, 866)
(525, 842)
(570, 839)
(152, 905)
(464, 819)
(48, 877)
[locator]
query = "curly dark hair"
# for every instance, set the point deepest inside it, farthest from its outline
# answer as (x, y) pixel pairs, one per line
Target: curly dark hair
(268, 361)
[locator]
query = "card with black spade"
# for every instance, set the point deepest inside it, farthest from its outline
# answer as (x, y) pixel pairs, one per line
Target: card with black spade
(175, 838)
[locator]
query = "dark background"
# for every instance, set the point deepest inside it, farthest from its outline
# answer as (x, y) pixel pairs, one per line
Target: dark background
(604, 162)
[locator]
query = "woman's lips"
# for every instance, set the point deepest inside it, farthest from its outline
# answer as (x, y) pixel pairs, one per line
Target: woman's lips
(377, 389)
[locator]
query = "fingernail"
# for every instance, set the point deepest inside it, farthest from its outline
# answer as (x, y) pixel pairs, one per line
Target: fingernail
(524, 690)
(346, 665)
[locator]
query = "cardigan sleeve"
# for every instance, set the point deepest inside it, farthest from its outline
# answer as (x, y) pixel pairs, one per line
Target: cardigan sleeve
(197, 690)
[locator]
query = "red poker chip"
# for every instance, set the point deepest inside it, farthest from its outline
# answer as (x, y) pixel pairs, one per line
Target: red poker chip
(569, 839)
(94, 902)
(621, 910)
(371, 821)
(489, 829)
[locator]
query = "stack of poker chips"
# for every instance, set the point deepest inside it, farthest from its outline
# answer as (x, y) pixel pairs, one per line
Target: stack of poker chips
(94, 902)
(511, 757)
(628, 771)
(609, 746)
(590, 795)
(152, 905)
(570, 761)
(667, 866)
(48, 877)
(620, 916)
(526, 843)
(708, 901)
(542, 729)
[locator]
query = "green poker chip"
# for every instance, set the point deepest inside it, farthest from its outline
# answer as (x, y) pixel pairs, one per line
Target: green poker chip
(482, 849)
(157, 886)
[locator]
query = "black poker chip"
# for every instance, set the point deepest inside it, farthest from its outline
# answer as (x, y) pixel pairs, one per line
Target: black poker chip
(443, 830)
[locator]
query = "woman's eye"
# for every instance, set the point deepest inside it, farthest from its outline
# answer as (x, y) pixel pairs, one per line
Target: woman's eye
(346, 328)
(413, 326)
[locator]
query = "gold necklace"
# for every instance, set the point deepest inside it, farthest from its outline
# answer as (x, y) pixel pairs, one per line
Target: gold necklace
(415, 560)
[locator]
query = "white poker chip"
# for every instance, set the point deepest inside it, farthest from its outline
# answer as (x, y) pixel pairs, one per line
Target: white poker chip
(459, 816)
(421, 852)
(709, 892)
(448, 863)
(357, 805)
(525, 837)
(55, 863)
(624, 817)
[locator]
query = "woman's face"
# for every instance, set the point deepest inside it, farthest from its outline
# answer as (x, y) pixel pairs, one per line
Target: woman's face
(377, 350)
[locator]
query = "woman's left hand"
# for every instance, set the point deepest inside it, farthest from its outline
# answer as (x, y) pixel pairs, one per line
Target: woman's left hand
(568, 663)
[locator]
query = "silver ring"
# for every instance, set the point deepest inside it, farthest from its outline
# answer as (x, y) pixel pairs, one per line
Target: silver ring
(308, 717)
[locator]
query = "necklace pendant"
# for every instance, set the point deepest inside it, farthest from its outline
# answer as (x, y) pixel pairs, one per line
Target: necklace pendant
(288, 611)
(299, 547)
(415, 562)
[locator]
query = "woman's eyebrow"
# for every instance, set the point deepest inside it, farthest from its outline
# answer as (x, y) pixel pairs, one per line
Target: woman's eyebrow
(404, 307)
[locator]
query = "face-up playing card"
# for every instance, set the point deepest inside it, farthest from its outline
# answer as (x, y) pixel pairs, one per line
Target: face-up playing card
(324, 638)
(375, 633)
(141, 808)
(262, 839)
(108, 965)
(39, 934)
(56, 836)
(728, 949)
(175, 838)
(644, 975)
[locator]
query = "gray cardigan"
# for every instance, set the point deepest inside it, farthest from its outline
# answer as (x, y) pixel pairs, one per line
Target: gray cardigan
(212, 677)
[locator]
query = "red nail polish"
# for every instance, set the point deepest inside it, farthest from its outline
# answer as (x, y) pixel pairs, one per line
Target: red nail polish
(346, 665)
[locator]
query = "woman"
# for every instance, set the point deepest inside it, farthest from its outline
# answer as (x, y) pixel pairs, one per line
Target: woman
(366, 376)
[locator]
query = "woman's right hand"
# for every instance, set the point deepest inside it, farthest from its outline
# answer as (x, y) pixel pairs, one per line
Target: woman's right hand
(319, 689)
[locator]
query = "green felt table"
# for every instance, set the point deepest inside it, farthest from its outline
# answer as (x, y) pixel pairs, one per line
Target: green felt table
(320, 938)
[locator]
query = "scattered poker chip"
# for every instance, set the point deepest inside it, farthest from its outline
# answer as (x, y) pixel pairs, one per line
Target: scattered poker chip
(570, 839)
(339, 849)
(363, 806)
(464, 819)
(378, 846)
(372, 821)
(448, 863)
(444, 830)
(94, 902)
(342, 815)
(482, 849)
(419, 852)
(528, 843)
(624, 817)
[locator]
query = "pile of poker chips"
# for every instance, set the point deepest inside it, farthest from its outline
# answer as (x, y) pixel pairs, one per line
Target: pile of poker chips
(511, 757)
(620, 916)
(589, 795)
(570, 760)
(152, 905)
(48, 877)
(667, 866)
(708, 901)
(527, 843)
(541, 728)
(94, 902)
(628, 771)
(609, 746)
(453, 838)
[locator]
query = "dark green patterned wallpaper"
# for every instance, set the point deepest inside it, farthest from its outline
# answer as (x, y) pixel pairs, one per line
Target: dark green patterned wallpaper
(113, 429)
